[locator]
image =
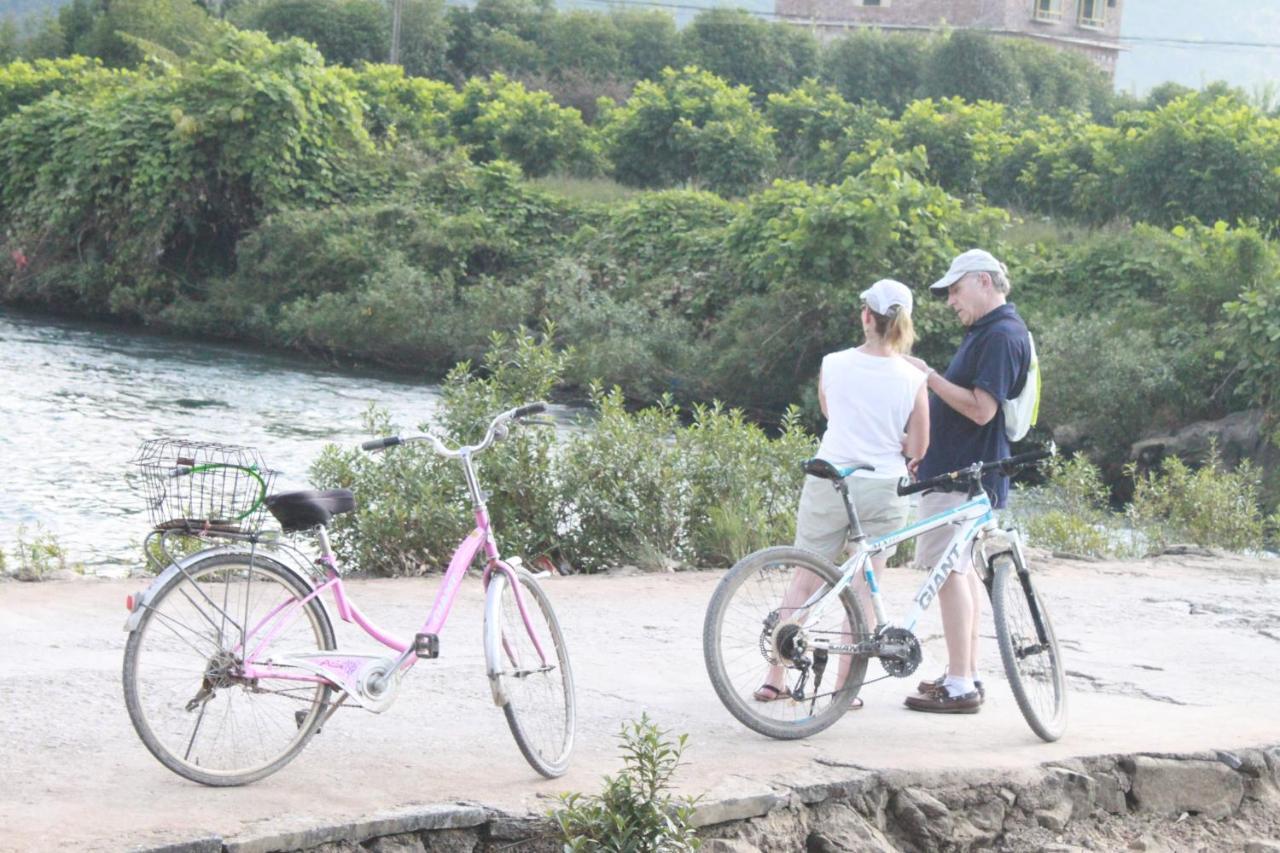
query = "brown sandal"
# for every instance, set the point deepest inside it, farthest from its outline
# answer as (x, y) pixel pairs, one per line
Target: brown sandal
(769, 693)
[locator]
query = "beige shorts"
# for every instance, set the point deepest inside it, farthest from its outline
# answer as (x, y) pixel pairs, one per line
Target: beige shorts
(931, 546)
(822, 525)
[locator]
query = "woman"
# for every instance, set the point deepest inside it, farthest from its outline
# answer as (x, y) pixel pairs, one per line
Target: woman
(877, 411)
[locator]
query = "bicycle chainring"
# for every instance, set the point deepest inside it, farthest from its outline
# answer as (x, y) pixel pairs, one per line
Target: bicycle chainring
(899, 652)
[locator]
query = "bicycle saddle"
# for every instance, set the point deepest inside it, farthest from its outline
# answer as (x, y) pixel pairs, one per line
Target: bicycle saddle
(822, 468)
(300, 510)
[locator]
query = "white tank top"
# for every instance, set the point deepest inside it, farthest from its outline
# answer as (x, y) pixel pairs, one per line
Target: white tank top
(869, 399)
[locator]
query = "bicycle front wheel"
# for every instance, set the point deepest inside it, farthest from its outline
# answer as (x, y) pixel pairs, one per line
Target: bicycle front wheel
(1029, 650)
(529, 671)
(184, 684)
(759, 643)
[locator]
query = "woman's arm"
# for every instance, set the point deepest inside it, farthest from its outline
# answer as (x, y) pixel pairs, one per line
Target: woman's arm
(916, 441)
(822, 395)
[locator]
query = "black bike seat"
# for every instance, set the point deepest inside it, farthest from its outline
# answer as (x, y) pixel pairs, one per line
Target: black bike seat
(301, 510)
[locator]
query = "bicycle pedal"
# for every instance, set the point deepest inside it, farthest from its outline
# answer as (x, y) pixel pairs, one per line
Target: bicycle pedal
(426, 645)
(300, 717)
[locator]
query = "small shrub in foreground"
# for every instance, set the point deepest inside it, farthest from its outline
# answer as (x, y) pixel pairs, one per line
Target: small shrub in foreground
(636, 811)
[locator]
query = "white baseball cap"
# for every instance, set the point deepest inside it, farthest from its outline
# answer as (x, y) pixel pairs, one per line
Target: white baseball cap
(885, 294)
(974, 260)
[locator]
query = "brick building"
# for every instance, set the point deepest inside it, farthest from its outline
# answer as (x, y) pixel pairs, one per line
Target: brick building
(1089, 26)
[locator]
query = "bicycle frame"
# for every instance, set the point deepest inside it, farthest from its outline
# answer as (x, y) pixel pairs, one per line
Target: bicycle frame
(973, 519)
(342, 669)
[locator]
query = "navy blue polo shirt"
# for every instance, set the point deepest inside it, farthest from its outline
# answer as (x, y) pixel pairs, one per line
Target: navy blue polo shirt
(994, 356)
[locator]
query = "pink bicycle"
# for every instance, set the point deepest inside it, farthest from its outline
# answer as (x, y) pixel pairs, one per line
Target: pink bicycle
(231, 665)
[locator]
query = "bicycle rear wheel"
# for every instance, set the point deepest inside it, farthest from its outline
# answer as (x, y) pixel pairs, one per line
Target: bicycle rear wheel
(1029, 650)
(753, 633)
(529, 671)
(183, 680)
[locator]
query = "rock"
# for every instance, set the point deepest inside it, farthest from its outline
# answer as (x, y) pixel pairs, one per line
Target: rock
(448, 841)
(736, 808)
(1080, 789)
(837, 827)
(624, 571)
(921, 817)
(1272, 758)
(1238, 436)
(1055, 819)
(728, 845)
(1109, 792)
(403, 843)
(1262, 845)
(1170, 787)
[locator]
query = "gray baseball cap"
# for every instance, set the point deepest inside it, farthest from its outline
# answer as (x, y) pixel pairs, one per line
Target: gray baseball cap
(885, 294)
(974, 260)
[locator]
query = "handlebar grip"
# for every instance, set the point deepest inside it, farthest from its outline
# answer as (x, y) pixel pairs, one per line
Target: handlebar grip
(1012, 462)
(529, 409)
(922, 485)
(381, 443)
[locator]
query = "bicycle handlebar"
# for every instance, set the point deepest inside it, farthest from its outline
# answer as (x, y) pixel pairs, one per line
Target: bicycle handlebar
(965, 476)
(496, 430)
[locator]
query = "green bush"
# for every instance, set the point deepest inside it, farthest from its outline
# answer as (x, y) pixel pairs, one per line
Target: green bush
(37, 555)
(636, 810)
(744, 50)
(499, 119)
(817, 130)
(1208, 506)
(690, 128)
(1070, 513)
(1215, 160)
(27, 82)
(159, 178)
(344, 31)
(413, 508)
(974, 66)
(872, 66)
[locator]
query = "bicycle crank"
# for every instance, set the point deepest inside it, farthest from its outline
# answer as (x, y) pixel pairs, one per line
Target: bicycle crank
(899, 651)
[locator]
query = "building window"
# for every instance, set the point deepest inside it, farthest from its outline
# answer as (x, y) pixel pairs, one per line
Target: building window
(1092, 13)
(1048, 10)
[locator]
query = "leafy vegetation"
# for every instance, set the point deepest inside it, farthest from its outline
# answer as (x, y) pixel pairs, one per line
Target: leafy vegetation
(636, 810)
(698, 234)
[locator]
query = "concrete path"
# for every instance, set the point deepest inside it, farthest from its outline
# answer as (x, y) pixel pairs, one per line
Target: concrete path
(1168, 655)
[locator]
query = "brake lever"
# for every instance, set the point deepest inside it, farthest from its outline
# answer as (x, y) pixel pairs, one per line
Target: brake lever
(536, 421)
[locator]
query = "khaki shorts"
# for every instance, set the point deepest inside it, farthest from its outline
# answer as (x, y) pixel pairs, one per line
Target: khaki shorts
(822, 525)
(931, 546)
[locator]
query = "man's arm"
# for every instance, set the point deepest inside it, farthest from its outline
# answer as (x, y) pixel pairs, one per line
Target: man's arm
(975, 404)
(822, 395)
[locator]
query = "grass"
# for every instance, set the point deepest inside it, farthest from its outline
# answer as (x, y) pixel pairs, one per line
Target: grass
(598, 190)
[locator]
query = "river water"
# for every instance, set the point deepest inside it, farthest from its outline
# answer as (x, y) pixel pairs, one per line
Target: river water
(77, 399)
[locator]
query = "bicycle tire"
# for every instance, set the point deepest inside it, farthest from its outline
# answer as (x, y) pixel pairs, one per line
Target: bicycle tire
(183, 645)
(537, 696)
(746, 599)
(1034, 668)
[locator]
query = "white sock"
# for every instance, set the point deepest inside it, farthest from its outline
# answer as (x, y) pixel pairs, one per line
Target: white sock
(957, 686)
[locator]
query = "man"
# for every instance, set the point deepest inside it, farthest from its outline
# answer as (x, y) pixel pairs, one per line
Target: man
(966, 425)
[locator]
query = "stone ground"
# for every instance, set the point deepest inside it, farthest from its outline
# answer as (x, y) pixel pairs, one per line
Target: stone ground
(1174, 655)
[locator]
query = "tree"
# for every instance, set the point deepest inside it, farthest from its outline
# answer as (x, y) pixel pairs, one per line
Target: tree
(871, 67)
(690, 127)
(649, 43)
(346, 32)
(424, 39)
(500, 119)
(976, 67)
(744, 50)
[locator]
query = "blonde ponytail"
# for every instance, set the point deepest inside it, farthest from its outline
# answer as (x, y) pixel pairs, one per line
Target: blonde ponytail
(895, 329)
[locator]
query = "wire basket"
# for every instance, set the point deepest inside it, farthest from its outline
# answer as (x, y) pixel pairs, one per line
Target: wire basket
(203, 486)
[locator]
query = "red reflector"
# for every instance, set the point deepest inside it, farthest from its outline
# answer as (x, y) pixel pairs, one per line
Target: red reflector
(128, 603)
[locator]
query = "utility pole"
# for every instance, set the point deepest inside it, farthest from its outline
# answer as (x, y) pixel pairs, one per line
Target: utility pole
(397, 6)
